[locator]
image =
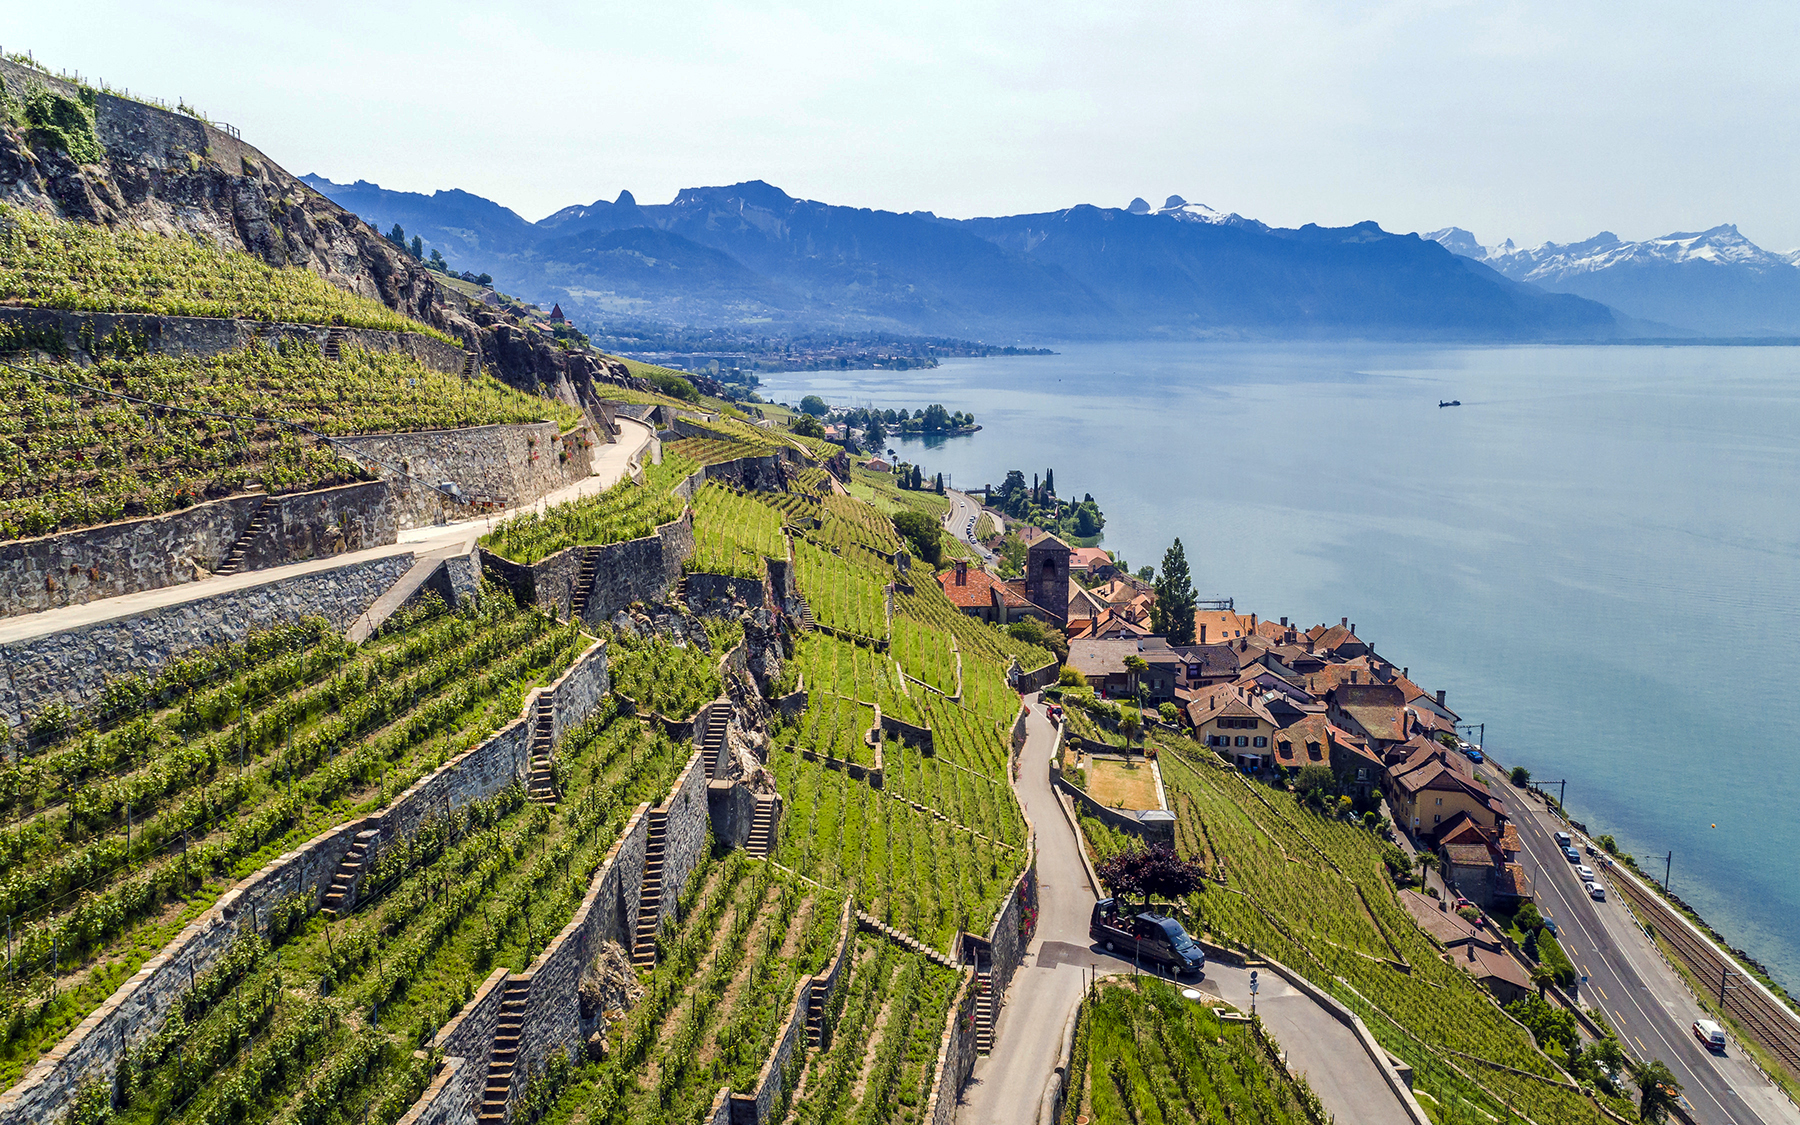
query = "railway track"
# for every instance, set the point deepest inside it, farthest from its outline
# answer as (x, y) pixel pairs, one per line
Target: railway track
(1774, 1027)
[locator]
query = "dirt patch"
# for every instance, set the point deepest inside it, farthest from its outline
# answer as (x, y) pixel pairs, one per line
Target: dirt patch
(1122, 786)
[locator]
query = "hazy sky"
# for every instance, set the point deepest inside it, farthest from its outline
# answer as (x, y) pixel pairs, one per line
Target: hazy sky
(1537, 121)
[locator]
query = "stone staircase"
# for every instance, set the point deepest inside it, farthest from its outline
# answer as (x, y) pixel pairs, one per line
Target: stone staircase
(334, 343)
(541, 784)
(643, 946)
(815, 1017)
(678, 594)
(984, 1009)
(259, 523)
(712, 744)
(506, 1053)
(805, 616)
(469, 369)
(337, 900)
(584, 585)
(762, 827)
(873, 925)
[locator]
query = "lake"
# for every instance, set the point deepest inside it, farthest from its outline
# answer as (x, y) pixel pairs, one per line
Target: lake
(1595, 554)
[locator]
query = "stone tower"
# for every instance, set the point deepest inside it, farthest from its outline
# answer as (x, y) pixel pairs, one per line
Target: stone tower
(1047, 576)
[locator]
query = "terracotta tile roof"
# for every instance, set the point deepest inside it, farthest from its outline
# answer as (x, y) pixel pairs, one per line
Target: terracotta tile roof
(1376, 708)
(1081, 558)
(1510, 880)
(975, 593)
(1222, 624)
(1485, 964)
(1222, 700)
(1445, 925)
(1509, 841)
(1469, 855)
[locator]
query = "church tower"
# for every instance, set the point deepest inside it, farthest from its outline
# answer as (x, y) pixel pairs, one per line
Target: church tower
(1047, 576)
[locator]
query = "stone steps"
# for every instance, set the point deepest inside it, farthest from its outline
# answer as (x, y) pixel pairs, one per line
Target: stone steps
(334, 344)
(984, 1011)
(584, 585)
(643, 946)
(505, 1056)
(541, 783)
(259, 523)
(762, 827)
(337, 900)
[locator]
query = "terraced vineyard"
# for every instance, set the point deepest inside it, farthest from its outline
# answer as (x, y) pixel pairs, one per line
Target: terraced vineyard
(121, 837)
(844, 593)
(883, 1055)
(75, 451)
(1145, 1054)
(720, 993)
(625, 511)
(734, 533)
(1313, 892)
(929, 605)
(314, 1020)
(660, 675)
(60, 264)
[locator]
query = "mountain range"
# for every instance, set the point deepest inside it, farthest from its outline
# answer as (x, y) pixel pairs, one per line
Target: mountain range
(750, 254)
(1714, 282)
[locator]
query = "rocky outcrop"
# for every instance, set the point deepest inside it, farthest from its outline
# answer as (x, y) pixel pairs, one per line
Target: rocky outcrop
(178, 175)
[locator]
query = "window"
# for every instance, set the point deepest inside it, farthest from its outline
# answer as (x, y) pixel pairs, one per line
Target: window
(1260, 741)
(1440, 800)
(1435, 819)
(1217, 740)
(1286, 747)
(1362, 774)
(1242, 741)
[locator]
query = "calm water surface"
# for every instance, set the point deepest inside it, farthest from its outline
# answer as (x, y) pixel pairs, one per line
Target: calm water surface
(1595, 554)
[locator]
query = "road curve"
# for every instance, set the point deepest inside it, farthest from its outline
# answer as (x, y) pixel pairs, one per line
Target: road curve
(1007, 1086)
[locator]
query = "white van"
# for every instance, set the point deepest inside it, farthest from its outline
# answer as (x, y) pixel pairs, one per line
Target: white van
(1596, 891)
(1710, 1034)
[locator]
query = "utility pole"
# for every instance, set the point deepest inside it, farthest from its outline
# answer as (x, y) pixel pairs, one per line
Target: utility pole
(1724, 975)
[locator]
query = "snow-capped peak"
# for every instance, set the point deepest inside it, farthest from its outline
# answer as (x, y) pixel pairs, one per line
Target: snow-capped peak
(1722, 245)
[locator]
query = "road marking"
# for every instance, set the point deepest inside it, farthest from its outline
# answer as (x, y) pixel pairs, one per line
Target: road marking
(1641, 1046)
(1602, 992)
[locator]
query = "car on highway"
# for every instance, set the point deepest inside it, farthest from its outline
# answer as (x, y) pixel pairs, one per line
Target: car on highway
(1474, 755)
(1150, 937)
(1595, 891)
(1586, 872)
(1710, 1034)
(1563, 840)
(1571, 855)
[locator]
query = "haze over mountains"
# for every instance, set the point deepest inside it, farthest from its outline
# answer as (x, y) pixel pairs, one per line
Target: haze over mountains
(749, 254)
(1714, 282)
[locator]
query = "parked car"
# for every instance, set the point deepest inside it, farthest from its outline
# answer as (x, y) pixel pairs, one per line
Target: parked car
(1586, 872)
(1596, 891)
(1710, 1034)
(1150, 937)
(1473, 755)
(1572, 855)
(1591, 850)
(1563, 840)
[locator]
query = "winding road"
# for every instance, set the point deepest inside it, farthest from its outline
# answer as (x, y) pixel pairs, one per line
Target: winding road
(1009, 1086)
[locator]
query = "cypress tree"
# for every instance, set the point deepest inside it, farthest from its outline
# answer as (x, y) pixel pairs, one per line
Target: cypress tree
(1050, 482)
(1173, 614)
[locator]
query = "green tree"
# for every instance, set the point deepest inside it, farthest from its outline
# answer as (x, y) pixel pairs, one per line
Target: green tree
(923, 535)
(1543, 977)
(940, 484)
(1528, 919)
(1050, 482)
(1146, 573)
(1135, 666)
(814, 405)
(418, 248)
(918, 479)
(1657, 1090)
(936, 418)
(874, 433)
(1172, 614)
(806, 425)
(1169, 712)
(397, 236)
(1035, 632)
(1315, 778)
(1521, 776)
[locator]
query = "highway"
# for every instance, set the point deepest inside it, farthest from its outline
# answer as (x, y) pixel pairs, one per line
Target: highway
(1648, 1005)
(963, 508)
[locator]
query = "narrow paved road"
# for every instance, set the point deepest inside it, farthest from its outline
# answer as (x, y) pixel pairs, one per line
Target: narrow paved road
(431, 541)
(1642, 997)
(963, 508)
(1007, 1087)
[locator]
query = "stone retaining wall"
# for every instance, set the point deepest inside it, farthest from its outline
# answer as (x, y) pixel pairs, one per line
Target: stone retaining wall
(509, 465)
(1037, 679)
(74, 665)
(137, 1009)
(637, 570)
(91, 563)
(208, 336)
(1157, 832)
(956, 1055)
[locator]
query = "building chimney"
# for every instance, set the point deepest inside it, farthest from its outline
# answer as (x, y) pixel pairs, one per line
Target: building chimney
(1309, 644)
(1353, 627)
(1404, 675)
(962, 572)
(1253, 622)
(1284, 623)
(1440, 697)
(1344, 622)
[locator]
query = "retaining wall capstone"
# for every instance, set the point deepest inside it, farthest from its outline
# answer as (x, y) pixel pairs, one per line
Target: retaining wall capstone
(137, 1009)
(91, 563)
(74, 665)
